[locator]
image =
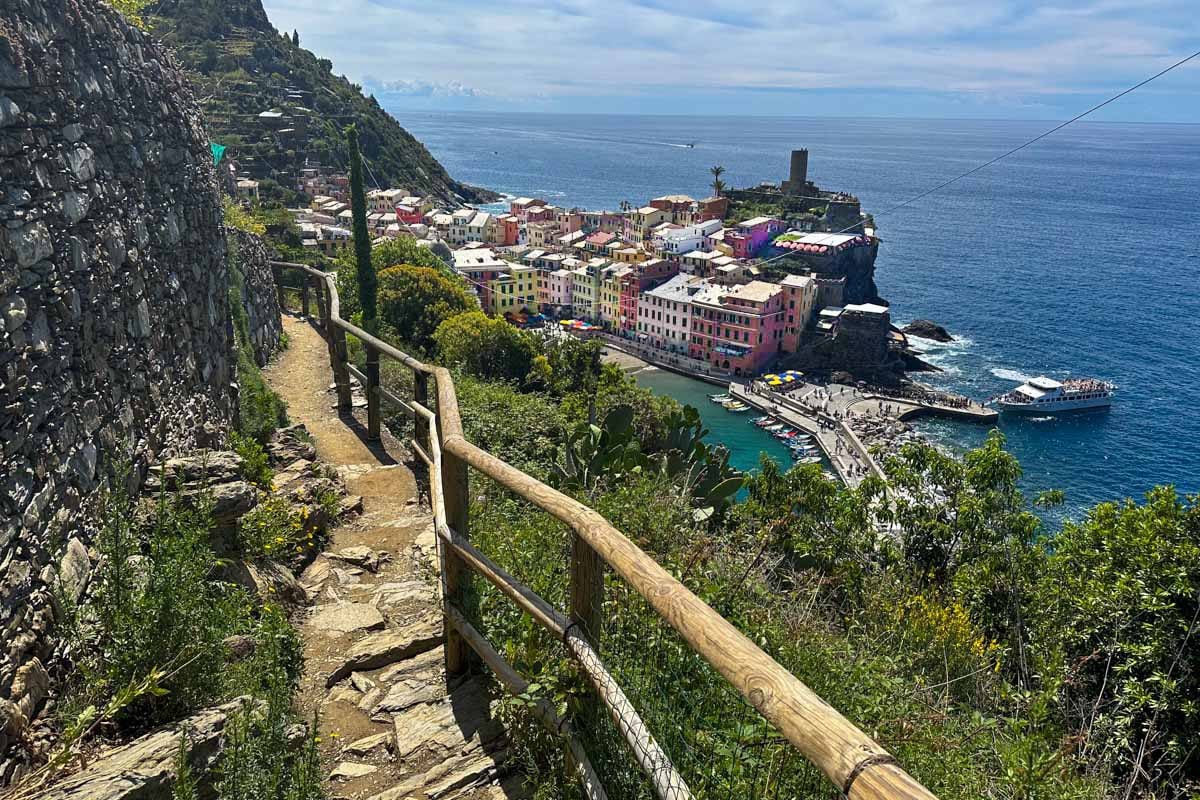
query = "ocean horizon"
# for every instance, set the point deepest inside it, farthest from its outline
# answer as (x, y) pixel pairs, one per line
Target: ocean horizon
(1075, 257)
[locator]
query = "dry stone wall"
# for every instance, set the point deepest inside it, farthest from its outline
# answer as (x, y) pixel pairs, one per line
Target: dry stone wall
(252, 261)
(115, 332)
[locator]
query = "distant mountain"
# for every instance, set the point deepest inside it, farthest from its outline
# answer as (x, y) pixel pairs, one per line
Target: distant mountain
(278, 107)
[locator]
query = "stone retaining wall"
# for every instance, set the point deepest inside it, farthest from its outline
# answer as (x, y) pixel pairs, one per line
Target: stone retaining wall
(115, 332)
(259, 297)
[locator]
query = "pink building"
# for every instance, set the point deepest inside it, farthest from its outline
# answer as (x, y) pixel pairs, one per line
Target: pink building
(554, 292)
(522, 205)
(739, 328)
(748, 237)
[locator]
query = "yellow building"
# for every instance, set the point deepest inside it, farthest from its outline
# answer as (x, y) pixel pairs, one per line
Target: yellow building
(610, 295)
(514, 290)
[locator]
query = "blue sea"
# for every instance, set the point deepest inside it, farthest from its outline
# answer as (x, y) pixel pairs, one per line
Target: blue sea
(1079, 255)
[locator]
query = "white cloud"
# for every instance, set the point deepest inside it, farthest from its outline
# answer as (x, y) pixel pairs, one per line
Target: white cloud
(579, 49)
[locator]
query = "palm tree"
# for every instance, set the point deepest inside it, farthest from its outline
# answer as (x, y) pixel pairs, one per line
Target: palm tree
(718, 185)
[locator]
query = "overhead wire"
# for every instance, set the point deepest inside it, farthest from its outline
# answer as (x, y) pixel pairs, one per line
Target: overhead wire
(1013, 151)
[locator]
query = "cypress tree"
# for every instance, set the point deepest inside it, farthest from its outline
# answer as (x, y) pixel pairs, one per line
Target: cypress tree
(295, 37)
(364, 269)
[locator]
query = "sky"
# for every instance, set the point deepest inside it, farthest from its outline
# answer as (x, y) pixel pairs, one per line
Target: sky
(991, 59)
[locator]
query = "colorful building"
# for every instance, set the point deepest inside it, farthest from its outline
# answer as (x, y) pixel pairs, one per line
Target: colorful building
(585, 289)
(610, 295)
(748, 237)
(664, 313)
(480, 267)
(633, 284)
(640, 222)
(738, 329)
(514, 290)
(554, 290)
(800, 302)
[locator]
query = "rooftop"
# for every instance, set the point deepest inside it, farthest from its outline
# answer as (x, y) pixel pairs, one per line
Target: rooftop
(866, 308)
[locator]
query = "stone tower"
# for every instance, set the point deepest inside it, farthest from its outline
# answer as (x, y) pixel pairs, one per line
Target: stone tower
(798, 176)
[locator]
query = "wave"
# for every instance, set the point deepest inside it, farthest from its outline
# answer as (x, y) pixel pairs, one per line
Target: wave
(1006, 374)
(931, 345)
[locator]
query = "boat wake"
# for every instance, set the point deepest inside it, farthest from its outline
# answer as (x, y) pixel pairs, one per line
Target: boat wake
(1006, 374)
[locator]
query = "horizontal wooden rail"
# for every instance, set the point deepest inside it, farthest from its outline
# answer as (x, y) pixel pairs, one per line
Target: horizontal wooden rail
(854, 762)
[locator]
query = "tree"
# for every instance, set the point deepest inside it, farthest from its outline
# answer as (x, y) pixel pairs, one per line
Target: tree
(1116, 623)
(368, 282)
(414, 301)
(486, 347)
(718, 185)
(295, 37)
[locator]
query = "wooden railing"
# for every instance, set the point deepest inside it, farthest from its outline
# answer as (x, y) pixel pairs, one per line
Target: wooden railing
(855, 764)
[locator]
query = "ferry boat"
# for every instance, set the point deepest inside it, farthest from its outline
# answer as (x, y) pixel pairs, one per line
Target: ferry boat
(1044, 395)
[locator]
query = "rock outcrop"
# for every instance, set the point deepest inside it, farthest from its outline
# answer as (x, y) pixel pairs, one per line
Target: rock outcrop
(927, 329)
(115, 332)
(144, 769)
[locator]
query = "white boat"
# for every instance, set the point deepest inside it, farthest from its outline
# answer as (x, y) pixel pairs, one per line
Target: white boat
(720, 398)
(1044, 395)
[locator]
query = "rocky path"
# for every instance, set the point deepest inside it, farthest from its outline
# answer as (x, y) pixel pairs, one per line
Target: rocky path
(390, 726)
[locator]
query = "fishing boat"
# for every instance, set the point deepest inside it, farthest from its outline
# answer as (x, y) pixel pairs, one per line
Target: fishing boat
(719, 398)
(761, 421)
(737, 408)
(799, 459)
(1042, 395)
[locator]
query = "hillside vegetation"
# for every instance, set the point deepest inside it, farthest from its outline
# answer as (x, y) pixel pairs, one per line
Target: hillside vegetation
(241, 66)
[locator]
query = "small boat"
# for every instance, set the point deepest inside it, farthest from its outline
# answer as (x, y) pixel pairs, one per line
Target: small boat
(1044, 395)
(737, 408)
(720, 398)
(774, 428)
(761, 421)
(799, 459)
(784, 434)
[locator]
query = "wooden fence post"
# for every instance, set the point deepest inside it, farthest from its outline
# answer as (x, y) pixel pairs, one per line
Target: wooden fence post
(421, 395)
(457, 498)
(372, 391)
(304, 296)
(587, 589)
(278, 273)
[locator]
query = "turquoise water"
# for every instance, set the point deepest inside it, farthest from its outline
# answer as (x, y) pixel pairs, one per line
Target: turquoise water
(1076, 256)
(744, 440)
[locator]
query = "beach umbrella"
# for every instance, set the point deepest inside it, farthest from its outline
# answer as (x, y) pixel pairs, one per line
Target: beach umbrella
(770, 375)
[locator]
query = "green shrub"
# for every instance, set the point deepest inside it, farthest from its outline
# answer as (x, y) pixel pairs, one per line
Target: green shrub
(256, 466)
(154, 608)
(486, 347)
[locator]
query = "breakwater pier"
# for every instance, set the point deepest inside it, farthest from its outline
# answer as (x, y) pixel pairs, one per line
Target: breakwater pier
(848, 422)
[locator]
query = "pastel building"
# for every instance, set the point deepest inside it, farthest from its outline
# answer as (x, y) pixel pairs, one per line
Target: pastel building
(459, 221)
(540, 234)
(504, 230)
(640, 222)
(748, 237)
(522, 205)
(514, 290)
(554, 291)
(664, 313)
(480, 267)
(800, 302)
(633, 283)
(610, 295)
(739, 329)
(585, 289)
